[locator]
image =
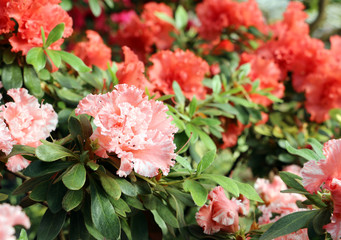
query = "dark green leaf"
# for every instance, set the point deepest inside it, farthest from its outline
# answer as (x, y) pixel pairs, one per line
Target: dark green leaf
(290, 180)
(198, 192)
(72, 199)
(111, 187)
(55, 196)
(3, 197)
(55, 34)
(75, 177)
(78, 230)
(39, 193)
(37, 58)
(8, 56)
(139, 226)
(28, 185)
(166, 214)
(39, 168)
(74, 61)
(226, 107)
(50, 152)
(103, 213)
(50, 225)
(289, 224)
(32, 81)
(133, 202)
(11, 76)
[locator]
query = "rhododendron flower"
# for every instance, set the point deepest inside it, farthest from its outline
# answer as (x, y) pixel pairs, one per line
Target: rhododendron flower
(221, 214)
(279, 204)
(137, 130)
(326, 173)
(27, 122)
(232, 132)
(216, 15)
(93, 51)
(181, 66)
(31, 16)
(122, 17)
(268, 74)
(131, 71)
(9, 217)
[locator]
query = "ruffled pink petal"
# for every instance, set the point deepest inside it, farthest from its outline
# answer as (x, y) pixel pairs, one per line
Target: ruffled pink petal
(6, 141)
(334, 228)
(313, 176)
(17, 163)
(13, 215)
(204, 220)
(91, 105)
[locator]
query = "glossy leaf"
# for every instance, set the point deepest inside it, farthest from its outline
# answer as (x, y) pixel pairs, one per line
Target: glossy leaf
(75, 177)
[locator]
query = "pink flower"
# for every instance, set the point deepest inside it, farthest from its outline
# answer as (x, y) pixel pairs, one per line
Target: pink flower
(27, 122)
(131, 71)
(181, 66)
(93, 51)
(9, 217)
(137, 130)
(327, 172)
(122, 17)
(221, 214)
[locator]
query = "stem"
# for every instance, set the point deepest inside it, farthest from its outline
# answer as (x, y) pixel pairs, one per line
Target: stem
(146, 179)
(320, 17)
(17, 174)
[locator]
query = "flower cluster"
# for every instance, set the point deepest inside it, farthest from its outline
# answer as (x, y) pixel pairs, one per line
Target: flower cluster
(11, 216)
(136, 129)
(221, 214)
(31, 16)
(24, 122)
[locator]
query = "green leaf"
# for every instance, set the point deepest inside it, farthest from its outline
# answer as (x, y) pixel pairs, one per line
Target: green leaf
(80, 126)
(289, 223)
(206, 161)
(290, 180)
(19, 149)
(111, 187)
(43, 35)
(227, 183)
(95, 7)
(23, 235)
(75, 177)
(55, 196)
(184, 162)
(103, 213)
(77, 227)
(37, 58)
(179, 96)
(304, 153)
(248, 191)
(69, 96)
(3, 197)
(8, 56)
(74, 61)
(216, 84)
(121, 207)
(55, 34)
(192, 107)
(163, 16)
(72, 199)
(126, 187)
(54, 56)
(318, 147)
(181, 17)
(28, 185)
(198, 192)
(49, 152)
(139, 224)
(133, 202)
(110, 3)
(206, 139)
(321, 219)
(166, 214)
(39, 193)
(39, 168)
(50, 225)
(32, 81)
(11, 76)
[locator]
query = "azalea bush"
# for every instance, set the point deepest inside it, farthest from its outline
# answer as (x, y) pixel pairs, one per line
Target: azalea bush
(213, 119)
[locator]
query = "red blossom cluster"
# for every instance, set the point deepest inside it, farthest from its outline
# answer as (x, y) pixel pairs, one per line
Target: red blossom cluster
(30, 16)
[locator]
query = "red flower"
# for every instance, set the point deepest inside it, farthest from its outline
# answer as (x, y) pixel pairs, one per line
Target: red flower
(31, 16)
(232, 132)
(93, 51)
(181, 66)
(160, 29)
(268, 74)
(131, 71)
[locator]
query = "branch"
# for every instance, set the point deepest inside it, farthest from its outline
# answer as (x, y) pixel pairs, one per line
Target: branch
(320, 16)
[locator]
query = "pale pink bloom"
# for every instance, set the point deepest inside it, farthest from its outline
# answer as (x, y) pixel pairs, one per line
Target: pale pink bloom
(327, 171)
(221, 214)
(293, 168)
(27, 121)
(270, 191)
(243, 205)
(9, 217)
(136, 129)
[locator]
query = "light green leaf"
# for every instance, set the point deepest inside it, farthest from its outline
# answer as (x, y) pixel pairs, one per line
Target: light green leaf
(74, 61)
(54, 56)
(304, 153)
(181, 17)
(37, 58)
(227, 183)
(248, 191)
(55, 34)
(95, 7)
(49, 152)
(198, 192)
(206, 161)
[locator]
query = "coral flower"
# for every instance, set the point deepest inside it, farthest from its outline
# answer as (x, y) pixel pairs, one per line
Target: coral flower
(93, 51)
(131, 71)
(327, 173)
(31, 16)
(9, 217)
(232, 132)
(221, 214)
(27, 123)
(181, 66)
(137, 130)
